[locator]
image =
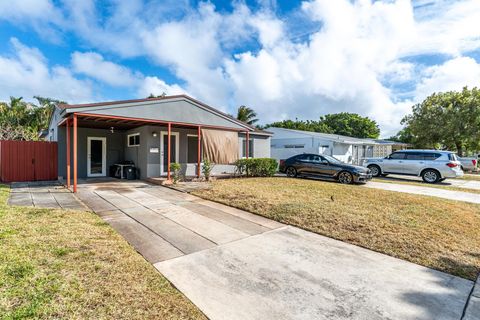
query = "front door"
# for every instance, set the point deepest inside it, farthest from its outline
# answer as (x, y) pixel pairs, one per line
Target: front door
(96, 157)
(174, 152)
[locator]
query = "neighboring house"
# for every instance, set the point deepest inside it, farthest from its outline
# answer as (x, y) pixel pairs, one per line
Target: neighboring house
(138, 131)
(288, 142)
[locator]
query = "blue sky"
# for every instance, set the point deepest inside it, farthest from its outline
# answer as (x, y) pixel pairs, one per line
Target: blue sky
(285, 59)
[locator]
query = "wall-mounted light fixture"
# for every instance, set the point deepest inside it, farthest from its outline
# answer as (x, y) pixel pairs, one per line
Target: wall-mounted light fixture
(154, 133)
(112, 130)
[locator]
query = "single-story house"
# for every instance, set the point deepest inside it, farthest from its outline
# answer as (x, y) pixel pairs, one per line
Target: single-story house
(152, 133)
(288, 142)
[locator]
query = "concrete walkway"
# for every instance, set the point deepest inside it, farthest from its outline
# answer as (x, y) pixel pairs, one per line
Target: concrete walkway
(472, 311)
(428, 191)
(48, 194)
(163, 224)
(236, 265)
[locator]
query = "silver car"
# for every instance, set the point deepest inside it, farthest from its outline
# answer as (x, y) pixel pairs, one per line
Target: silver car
(432, 165)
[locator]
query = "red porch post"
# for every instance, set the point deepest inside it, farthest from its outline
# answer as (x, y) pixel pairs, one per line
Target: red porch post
(199, 153)
(168, 150)
(75, 162)
(68, 153)
(247, 145)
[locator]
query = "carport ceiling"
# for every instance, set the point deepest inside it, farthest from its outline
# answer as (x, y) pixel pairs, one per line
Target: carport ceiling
(118, 124)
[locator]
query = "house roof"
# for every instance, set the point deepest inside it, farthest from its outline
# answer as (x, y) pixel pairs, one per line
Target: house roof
(335, 137)
(134, 102)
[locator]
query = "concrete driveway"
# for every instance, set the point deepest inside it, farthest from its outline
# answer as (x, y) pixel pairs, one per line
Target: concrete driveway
(427, 191)
(458, 183)
(235, 265)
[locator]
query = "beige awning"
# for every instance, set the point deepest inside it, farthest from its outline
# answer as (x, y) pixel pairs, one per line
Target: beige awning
(219, 146)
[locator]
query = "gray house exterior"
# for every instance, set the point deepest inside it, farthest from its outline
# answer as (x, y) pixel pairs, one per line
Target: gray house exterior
(137, 130)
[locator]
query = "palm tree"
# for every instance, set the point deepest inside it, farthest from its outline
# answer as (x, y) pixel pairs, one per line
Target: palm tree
(247, 115)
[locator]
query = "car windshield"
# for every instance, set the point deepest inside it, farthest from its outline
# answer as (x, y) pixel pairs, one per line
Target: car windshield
(331, 159)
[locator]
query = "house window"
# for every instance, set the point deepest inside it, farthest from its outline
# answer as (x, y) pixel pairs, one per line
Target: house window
(134, 140)
(250, 148)
(192, 148)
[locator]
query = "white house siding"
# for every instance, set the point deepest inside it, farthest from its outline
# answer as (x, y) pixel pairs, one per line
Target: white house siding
(287, 143)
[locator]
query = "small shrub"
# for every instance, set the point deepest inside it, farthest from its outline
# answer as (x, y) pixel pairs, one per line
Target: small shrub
(176, 167)
(256, 167)
(207, 168)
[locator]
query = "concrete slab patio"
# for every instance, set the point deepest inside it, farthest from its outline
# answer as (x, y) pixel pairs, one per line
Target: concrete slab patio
(236, 265)
(45, 194)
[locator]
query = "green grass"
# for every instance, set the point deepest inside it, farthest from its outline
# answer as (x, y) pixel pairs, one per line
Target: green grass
(71, 265)
(433, 232)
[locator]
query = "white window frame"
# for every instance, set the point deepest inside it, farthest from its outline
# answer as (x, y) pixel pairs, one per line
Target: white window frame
(104, 157)
(132, 135)
(249, 148)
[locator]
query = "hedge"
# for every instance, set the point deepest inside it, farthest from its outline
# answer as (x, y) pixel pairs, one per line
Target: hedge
(256, 167)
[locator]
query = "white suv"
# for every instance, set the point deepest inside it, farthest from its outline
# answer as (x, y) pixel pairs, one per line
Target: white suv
(432, 165)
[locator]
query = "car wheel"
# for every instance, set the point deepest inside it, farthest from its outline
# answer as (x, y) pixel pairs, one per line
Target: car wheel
(345, 177)
(291, 172)
(376, 171)
(430, 176)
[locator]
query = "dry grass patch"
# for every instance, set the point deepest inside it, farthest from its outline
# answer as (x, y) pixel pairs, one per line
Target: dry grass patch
(71, 265)
(433, 232)
(471, 176)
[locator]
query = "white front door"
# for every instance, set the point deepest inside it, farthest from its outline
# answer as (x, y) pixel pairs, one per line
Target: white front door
(174, 150)
(96, 157)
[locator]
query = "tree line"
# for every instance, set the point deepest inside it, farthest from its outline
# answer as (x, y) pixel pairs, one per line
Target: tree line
(446, 120)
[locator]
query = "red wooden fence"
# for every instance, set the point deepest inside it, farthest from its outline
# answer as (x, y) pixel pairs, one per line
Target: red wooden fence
(28, 161)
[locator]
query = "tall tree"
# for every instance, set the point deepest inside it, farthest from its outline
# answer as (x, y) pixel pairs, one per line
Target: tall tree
(448, 120)
(20, 120)
(247, 115)
(351, 124)
(348, 124)
(304, 125)
(405, 135)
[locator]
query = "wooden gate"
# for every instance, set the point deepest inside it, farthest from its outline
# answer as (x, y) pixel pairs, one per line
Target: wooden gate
(28, 161)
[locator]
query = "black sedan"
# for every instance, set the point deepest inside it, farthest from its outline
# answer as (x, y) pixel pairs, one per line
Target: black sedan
(324, 166)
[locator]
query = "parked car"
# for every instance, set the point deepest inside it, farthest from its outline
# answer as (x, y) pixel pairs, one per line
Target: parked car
(469, 164)
(324, 166)
(432, 165)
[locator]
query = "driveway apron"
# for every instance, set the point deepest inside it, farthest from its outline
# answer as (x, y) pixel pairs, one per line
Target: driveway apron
(236, 265)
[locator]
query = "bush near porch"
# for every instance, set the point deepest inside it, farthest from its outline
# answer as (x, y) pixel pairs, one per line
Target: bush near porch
(433, 232)
(57, 264)
(256, 167)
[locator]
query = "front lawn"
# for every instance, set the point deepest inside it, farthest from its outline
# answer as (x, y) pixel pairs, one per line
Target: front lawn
(433, 232)
(71, 265)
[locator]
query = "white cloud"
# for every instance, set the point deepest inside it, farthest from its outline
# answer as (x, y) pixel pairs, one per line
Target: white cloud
(156, 86)
(454, 74)
(93, 65)
(27, 73)
(358, 49)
